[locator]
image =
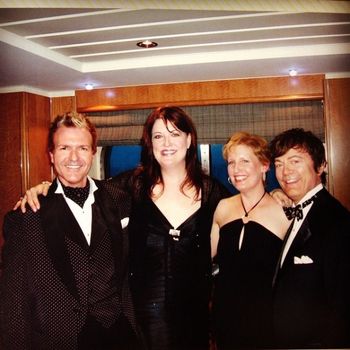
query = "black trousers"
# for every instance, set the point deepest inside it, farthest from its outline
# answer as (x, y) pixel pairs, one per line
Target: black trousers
(119, 336)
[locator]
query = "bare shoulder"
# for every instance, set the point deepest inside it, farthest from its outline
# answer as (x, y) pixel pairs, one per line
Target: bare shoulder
(227, 209)
(227, 203)
(277, 220)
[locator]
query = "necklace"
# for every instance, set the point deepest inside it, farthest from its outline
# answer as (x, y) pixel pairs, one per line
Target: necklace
(245, 218)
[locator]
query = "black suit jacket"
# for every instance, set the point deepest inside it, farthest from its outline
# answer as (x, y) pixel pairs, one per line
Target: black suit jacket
(312, 301)
(39, 301)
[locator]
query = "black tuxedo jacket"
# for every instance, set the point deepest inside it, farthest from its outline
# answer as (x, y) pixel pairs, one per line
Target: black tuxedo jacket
(39, 301)
(312, 299)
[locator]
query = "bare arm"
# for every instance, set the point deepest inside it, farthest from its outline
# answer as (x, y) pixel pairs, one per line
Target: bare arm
(31, 197)
(214, 235)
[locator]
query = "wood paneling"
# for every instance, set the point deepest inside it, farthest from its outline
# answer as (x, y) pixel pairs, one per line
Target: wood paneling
(23, 144)
(202, 93)
(60, 105)
(37, 122)
(337, 113)
(10, 149)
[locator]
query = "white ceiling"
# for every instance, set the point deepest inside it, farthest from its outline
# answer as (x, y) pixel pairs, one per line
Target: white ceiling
(57, 50)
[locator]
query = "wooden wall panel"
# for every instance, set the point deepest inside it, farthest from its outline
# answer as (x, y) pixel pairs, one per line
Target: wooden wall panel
(60, 105)
(337, 114)
(10, 150)
(37, 120)
(23, 145)
(202, 93)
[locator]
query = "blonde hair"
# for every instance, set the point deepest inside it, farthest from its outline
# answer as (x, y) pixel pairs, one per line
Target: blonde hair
(257, 143)
(72, 120)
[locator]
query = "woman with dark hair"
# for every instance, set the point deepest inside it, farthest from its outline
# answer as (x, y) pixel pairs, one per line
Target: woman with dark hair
(169, 233)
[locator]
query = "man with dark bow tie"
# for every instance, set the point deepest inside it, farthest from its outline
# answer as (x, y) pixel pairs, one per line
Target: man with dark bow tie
(63, 283)
(312, 280)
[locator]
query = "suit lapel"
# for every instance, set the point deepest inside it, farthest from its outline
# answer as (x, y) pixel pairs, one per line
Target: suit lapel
(278, 265)
(58, 222)
(303, 235)
(305, 231)
(106, 210)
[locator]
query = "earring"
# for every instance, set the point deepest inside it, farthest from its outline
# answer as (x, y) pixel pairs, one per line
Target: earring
(229, 180)
(264, 177)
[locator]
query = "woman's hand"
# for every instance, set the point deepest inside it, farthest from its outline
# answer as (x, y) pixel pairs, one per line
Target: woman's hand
(31, 197)
(281, 198)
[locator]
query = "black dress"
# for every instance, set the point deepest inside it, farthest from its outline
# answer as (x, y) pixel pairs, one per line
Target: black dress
(242, 305)
(170, 279)
(166, 301)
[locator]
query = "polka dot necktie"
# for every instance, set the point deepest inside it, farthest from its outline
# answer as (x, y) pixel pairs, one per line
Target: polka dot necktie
(297, 211)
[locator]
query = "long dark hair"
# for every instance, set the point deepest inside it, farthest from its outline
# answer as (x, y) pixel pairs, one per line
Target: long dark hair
(150, 170)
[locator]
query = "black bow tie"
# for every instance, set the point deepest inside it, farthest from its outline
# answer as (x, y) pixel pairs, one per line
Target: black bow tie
(297, 211)
(77, 194)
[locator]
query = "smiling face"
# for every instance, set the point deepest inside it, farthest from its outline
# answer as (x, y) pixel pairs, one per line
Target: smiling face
(244, 168)
(296, 174)
(169, 144)
(72, 155)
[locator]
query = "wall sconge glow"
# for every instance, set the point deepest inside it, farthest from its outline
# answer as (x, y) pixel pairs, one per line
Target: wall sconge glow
(293, 72)
(89, 86)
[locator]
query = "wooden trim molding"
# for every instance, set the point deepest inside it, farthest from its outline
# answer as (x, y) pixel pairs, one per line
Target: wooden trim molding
(60, 105)
(337, 118)
(202, 93)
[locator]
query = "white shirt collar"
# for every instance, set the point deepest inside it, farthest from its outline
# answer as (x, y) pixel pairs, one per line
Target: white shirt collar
(311, 193)
(92, 189)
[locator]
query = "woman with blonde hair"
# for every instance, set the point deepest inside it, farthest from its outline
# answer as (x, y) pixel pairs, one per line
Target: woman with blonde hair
(246, 239)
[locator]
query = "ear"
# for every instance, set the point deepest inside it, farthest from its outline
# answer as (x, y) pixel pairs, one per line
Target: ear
(189, 138)
(322, 168)
(51, 157)
(265, 168)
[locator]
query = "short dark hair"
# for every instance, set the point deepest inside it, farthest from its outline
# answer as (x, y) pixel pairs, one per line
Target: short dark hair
(72, 120)
(298, 138)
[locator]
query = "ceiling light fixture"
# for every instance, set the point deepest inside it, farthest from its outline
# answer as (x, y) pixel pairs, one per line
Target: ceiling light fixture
(293, 72)
(89, 86)
(146, 44)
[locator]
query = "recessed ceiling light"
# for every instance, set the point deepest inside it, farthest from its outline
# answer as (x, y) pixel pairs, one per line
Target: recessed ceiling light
(147, 44)
(293, 72)
(89, 86)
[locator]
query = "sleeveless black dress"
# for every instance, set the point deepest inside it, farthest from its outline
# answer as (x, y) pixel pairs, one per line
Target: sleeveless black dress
(242, 305)
(170, 280)
(171, 301)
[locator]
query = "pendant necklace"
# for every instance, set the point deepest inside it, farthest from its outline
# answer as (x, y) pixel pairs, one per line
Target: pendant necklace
(245, 218)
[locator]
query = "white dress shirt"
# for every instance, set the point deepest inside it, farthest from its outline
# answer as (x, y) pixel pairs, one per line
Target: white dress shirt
(297, 223)
(83, 215)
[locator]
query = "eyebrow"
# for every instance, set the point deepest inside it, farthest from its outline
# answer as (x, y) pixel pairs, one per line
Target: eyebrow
(290, 157)
(169, 131)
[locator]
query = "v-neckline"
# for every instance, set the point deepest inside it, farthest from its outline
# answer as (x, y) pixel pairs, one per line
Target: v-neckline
(165, 219)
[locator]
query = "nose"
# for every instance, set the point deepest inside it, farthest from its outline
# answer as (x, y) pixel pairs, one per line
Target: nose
(286, 169)
(167, 140)
(236, 167)
(73, 155)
